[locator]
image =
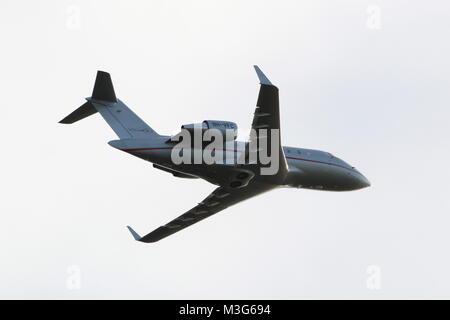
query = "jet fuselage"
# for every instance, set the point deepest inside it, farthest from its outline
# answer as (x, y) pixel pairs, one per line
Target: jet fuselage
(307, 168)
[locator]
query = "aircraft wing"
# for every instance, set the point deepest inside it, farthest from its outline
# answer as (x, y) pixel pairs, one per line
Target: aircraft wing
(218, 200)
(267, 116)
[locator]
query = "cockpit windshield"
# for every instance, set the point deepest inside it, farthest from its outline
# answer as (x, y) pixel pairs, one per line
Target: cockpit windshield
(341, 162)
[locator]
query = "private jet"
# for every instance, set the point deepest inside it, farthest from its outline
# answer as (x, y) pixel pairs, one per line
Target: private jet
(238, 178)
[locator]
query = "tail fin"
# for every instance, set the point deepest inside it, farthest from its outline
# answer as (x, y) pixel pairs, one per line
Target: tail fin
(125, 123)
(103, 88)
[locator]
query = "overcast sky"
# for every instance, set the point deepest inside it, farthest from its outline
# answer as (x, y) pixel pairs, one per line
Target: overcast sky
(365, 80)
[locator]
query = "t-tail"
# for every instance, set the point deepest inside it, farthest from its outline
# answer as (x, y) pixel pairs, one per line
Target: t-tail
(125, 123)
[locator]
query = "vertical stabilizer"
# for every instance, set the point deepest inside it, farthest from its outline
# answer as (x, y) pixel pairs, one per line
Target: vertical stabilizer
(125, 123)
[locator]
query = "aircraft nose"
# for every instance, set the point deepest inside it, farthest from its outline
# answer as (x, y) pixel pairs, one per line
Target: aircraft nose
(361, 181)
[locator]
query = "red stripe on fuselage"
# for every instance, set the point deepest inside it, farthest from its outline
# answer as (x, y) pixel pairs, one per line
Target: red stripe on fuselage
(168, 148)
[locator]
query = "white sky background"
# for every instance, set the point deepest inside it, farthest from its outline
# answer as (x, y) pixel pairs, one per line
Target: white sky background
(377, 98)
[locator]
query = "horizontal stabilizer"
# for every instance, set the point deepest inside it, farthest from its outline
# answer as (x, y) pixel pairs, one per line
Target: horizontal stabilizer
(82, 112)
(125, 123)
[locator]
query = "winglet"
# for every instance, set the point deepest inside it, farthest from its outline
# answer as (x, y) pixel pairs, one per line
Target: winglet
(135, 235)
(262, 77)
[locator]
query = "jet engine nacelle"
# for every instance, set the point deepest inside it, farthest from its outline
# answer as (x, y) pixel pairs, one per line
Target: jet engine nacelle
(227, 128)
